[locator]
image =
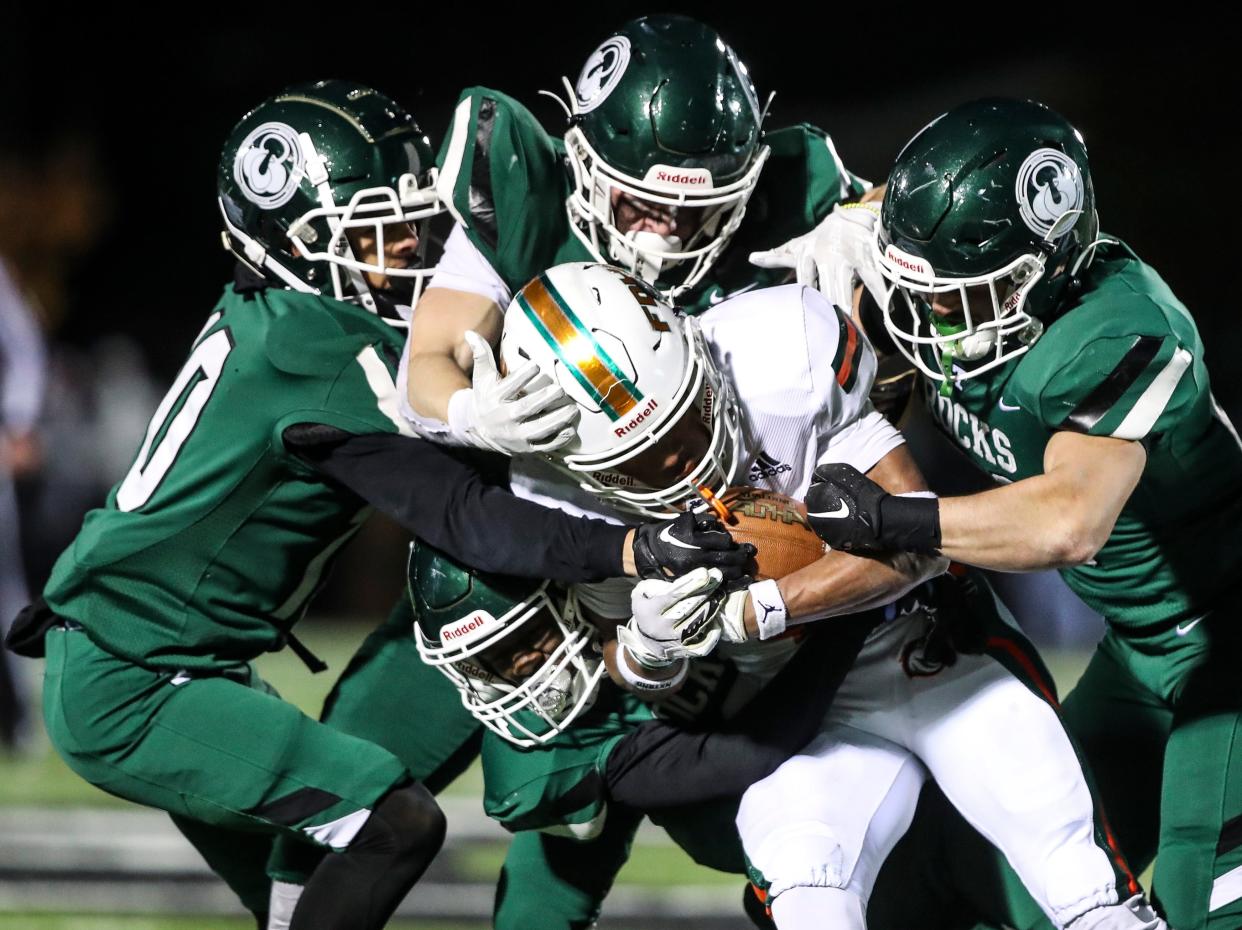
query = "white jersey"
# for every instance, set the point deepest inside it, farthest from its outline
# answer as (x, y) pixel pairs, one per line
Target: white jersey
(801, 373)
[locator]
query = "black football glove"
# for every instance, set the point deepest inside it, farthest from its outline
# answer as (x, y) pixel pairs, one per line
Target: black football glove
(849, 511)
(670, 548)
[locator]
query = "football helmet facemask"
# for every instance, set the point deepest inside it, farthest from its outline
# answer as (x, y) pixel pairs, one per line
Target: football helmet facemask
(470, 625)
(989, 214)
(648, 390)
(663, 116)
(310, 166)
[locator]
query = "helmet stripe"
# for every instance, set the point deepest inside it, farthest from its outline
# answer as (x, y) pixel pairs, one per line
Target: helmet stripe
(578, 349)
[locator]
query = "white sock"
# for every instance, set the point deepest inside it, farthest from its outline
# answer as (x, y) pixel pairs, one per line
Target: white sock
(810, 908)
(280, 909)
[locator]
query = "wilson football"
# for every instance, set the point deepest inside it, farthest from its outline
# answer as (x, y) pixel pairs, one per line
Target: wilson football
(777, 527)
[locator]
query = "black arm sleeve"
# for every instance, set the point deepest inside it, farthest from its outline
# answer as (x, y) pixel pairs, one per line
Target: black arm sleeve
(660, 765)
(441, 496)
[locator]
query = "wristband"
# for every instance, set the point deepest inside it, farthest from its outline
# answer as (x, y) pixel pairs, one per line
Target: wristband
(461, 416)
(910, 522)
(643, 684)
(769, 608)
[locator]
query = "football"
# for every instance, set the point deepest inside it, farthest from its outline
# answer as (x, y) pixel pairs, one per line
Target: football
(778, 528)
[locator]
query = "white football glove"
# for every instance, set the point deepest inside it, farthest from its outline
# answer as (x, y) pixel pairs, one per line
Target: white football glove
(730, 616)
(833, 255)
(675, 619)
(499, 413)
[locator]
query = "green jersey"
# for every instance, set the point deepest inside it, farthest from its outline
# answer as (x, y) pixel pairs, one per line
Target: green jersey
(559, 787)
(216, 539)
(509, 182)
(1124, 361)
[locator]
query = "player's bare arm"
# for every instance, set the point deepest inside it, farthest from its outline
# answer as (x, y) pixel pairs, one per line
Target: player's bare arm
(1055, 520)
(440, 359)
(842, 582)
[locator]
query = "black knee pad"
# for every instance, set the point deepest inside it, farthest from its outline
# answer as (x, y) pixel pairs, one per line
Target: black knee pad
(406, 821)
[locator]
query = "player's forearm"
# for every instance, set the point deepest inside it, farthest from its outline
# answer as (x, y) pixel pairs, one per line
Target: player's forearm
(1054, 520)
(442, 497)
(439, 358)
(1027, 526)
(434, 379)
(841, 583)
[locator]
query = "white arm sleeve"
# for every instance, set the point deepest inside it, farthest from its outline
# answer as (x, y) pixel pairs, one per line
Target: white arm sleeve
(462, 267)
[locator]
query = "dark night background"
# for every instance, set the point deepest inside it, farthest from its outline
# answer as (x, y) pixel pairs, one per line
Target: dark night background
(147, 115)
(111, 127)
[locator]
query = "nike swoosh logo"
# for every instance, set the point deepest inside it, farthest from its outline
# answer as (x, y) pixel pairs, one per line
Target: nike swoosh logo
(718, 296)
(1007, 407)
(1183, 630)
(839, 514)
(666, 534)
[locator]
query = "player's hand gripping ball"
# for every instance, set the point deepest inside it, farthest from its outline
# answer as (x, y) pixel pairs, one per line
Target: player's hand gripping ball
(843, 506)
(776, 526)
(671, 548)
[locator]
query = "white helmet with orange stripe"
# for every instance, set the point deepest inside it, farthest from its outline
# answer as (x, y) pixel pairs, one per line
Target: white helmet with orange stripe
(659, 426)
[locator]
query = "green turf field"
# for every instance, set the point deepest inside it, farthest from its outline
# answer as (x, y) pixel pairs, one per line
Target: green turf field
(138, 922)
(38, 777)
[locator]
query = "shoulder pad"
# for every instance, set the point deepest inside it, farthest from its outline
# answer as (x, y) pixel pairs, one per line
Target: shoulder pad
(495, 156)
(318, 336)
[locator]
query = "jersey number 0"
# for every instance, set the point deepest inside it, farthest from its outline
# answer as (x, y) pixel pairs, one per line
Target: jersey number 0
(195, 382)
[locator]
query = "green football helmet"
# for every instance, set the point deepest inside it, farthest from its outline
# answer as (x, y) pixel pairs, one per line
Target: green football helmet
(470, 624)
(310, 165)
(990, 205)
(664, 113)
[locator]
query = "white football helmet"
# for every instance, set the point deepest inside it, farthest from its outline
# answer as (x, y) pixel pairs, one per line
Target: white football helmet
(635, 369)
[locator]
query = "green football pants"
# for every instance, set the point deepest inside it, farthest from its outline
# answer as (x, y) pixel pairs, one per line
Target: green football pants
(220, 752)
(388, 696)
(559, 883)
(1159, 716)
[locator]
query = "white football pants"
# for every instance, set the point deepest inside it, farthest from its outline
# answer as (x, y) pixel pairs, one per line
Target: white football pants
(829, 816)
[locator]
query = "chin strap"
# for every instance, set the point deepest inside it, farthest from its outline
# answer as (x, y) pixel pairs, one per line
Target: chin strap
(1088, 255)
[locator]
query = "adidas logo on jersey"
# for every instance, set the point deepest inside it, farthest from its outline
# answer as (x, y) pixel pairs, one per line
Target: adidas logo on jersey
(767, 467)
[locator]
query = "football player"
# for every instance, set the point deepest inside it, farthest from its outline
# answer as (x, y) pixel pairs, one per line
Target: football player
(258, 465)
(1067, 369)
(571, 762)
(664, 155)
(664, 402)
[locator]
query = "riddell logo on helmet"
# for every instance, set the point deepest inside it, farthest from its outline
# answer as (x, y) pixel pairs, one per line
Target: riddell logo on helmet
(668, 176)
(613, 479)
(637, 418)
(468, 628)
(910, 263)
